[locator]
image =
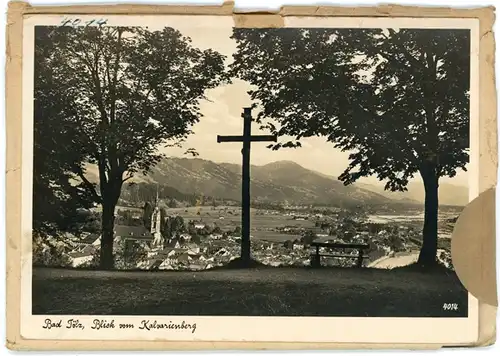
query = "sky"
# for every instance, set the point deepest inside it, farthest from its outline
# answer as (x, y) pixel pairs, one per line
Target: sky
(222, 115)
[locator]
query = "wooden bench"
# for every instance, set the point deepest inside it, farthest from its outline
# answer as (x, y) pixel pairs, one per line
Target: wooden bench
(316, 257)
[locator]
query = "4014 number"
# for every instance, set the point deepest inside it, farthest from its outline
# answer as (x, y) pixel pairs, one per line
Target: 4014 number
(450, 306)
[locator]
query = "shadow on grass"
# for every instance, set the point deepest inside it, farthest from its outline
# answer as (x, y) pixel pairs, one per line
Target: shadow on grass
(258, 291)
(437, 268)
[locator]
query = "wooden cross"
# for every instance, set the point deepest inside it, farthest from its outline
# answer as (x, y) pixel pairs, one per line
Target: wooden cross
(247, 138)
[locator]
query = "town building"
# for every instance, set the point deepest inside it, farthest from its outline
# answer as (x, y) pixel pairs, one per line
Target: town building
(80, 258)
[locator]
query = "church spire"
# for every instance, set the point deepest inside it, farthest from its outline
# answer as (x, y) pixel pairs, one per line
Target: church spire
(156, 222)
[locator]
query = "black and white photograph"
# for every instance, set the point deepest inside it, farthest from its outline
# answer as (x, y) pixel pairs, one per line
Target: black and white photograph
(183, 167)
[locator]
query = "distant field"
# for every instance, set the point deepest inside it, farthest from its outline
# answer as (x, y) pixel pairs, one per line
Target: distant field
(262, 225)
(408, 217)
(416, 220)
(228, 218)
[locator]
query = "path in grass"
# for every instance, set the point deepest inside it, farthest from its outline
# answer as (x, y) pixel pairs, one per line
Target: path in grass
(262, 291)
(396, 261)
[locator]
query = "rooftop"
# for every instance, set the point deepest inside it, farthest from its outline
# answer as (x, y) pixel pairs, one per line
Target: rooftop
(89, 239)
(133, 232)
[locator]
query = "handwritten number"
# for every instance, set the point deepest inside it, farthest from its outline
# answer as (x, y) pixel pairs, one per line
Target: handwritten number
(77, 21)
(65, 22)
(101, 22)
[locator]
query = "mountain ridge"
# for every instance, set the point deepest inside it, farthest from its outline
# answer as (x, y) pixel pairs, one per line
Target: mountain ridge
(282, 181)
(275, 182)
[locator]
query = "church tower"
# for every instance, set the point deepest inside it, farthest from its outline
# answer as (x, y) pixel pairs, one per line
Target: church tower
(156, 223)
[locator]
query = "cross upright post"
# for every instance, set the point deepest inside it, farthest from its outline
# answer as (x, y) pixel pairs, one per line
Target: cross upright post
(247, 138)
(245, 186)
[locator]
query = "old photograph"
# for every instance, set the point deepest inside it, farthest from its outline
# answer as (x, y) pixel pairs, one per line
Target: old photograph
(192, 168)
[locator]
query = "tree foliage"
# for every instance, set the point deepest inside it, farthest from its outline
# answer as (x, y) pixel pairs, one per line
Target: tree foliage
(396, 100)
(147, 213)
(137, 193)
(129, 254)
(131, 90)
(126, 217)
(172, 227)
(48, 254)
(58, 198)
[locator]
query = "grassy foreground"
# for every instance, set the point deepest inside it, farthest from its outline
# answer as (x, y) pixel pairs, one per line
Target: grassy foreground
(401, 292)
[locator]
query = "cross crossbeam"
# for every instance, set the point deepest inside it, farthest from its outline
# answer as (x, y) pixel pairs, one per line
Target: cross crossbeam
(253, 138)
(246, 139)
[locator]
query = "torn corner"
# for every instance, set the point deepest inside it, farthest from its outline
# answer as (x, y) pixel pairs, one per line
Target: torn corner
(473, 248)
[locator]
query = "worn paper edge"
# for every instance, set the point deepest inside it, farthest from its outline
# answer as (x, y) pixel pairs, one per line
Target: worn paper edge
(17, 9)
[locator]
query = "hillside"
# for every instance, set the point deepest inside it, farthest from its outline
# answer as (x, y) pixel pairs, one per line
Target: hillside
(280, 181)
(274, 182)
(449, 194)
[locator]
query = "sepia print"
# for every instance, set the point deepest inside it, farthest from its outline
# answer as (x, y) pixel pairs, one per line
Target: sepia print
(185, 169)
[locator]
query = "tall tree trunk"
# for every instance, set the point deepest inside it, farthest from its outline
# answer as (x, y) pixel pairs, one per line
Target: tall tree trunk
(428, 251)
(109, 201)
(108, 225)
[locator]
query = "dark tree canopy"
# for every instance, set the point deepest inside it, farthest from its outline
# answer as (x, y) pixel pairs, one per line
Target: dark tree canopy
(397, 100)
(393, 98)
(131, 90)
(172, 227)
(57, 196)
